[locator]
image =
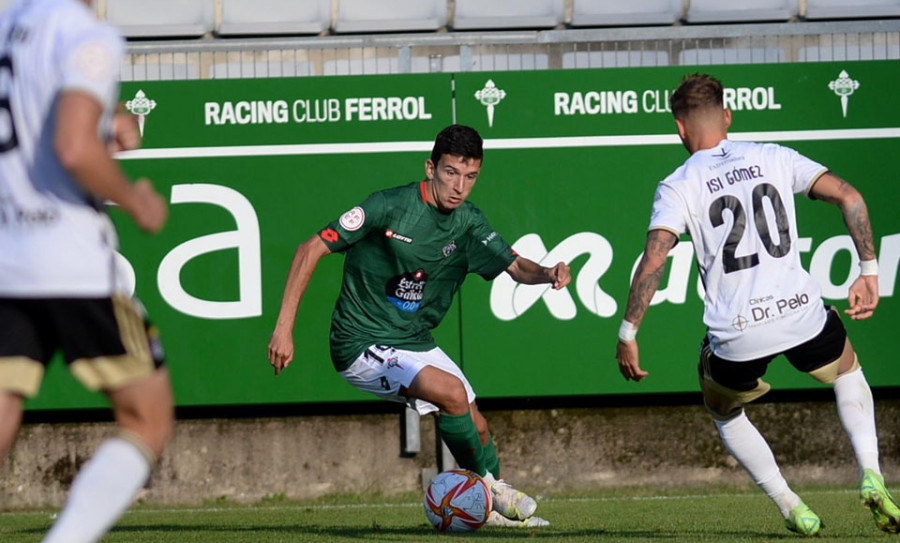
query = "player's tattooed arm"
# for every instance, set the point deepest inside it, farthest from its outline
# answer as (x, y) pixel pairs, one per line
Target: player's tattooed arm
(835, 190)
(649, 274)
(863, 294)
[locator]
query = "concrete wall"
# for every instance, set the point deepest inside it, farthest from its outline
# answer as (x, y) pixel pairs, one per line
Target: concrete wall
(543, 451)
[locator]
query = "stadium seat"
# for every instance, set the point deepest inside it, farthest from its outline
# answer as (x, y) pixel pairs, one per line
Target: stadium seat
(487, 14)
(161, 18)
(390, 15)
(850, 9)
(274, 17)
(633, 12)
(735, 11)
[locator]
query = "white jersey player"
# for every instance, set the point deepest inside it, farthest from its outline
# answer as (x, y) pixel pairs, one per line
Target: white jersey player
(58, 92)
(735, 201)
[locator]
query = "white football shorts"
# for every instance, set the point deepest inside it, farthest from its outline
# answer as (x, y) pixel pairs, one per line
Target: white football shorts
(382, 370)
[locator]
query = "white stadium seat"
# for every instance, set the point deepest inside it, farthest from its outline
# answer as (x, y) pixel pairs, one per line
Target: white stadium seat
(161, 18)
(487, 14)
(390, 15)
(631, 12)
(274, 17)
(731, 11)
(849, 9)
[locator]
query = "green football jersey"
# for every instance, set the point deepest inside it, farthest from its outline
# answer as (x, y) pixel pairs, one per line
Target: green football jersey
(404, 262)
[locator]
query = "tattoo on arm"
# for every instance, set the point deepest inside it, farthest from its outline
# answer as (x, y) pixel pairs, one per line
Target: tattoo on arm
(648, 274)
(856, 217)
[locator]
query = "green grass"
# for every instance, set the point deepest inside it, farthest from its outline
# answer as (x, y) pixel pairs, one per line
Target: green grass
(609, 516)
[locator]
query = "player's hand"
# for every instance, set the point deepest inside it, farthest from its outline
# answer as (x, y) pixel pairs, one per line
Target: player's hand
(149, 209)
(629, 361)
(281, 350)
(560, 275)
(863, 297)
(126, 132)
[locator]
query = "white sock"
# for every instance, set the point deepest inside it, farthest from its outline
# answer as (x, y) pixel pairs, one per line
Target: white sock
(857, 413)
(750, 449)
(101, 492)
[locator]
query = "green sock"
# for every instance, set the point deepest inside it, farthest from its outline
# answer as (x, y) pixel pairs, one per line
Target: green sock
(461, 437)
(490, 458)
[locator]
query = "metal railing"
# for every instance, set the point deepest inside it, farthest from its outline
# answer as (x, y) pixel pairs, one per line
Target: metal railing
(502, 51)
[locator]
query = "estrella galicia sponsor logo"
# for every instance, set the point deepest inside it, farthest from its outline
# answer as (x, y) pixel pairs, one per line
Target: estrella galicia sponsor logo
(490, 238)
(398, 236)
(449, 248)
(407, 291)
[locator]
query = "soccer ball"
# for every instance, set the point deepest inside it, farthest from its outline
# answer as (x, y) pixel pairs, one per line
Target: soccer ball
(457, 500)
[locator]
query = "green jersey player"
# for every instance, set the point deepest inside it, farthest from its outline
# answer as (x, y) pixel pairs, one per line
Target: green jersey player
(407, 251)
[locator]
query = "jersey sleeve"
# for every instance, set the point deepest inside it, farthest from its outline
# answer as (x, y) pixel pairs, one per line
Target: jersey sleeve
(489, 254)
(668, 210)
(89, 60)
(805, 172)
(354, 224)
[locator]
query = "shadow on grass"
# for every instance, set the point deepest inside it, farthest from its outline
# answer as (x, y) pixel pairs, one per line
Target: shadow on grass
(168, 532)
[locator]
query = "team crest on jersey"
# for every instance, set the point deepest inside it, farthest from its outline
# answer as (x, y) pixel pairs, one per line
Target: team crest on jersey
(353, 219)
(449, 248)
(393, 362)
(398, 236)
(407, 291)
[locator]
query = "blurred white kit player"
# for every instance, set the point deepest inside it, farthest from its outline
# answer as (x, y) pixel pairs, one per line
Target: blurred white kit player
(58, 126)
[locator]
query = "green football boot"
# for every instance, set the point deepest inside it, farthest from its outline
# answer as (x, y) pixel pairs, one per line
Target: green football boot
(877, 498)
(803, 521)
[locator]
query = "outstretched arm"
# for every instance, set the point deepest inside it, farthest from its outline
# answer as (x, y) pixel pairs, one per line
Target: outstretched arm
(643, 287)
(529, 272)
(281, 345)
(863, 295)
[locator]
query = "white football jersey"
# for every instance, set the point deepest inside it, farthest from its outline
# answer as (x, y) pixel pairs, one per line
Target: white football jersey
(736, 202)
(55, 239)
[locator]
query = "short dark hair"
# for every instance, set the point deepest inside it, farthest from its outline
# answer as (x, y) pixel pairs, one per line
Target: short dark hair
(697, 91)
(457, 140)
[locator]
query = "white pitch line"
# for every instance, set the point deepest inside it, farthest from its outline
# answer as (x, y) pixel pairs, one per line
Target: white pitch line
(329, 507)
(508, 143)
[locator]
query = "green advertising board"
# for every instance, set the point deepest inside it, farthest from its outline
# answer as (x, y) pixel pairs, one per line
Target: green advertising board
(252, 168)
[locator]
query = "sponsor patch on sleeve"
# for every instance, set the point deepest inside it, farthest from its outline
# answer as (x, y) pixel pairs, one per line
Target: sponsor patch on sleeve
(353, 219)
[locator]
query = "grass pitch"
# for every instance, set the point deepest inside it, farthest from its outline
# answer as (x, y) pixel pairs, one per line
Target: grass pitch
(610, 516)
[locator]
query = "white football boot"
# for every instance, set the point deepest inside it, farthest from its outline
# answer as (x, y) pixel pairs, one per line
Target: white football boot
(508, 501)
(496, 519)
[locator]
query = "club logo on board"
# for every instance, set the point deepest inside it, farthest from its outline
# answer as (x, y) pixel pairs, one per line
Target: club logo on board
(489, 97)
(141, 106)
(844, 86)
